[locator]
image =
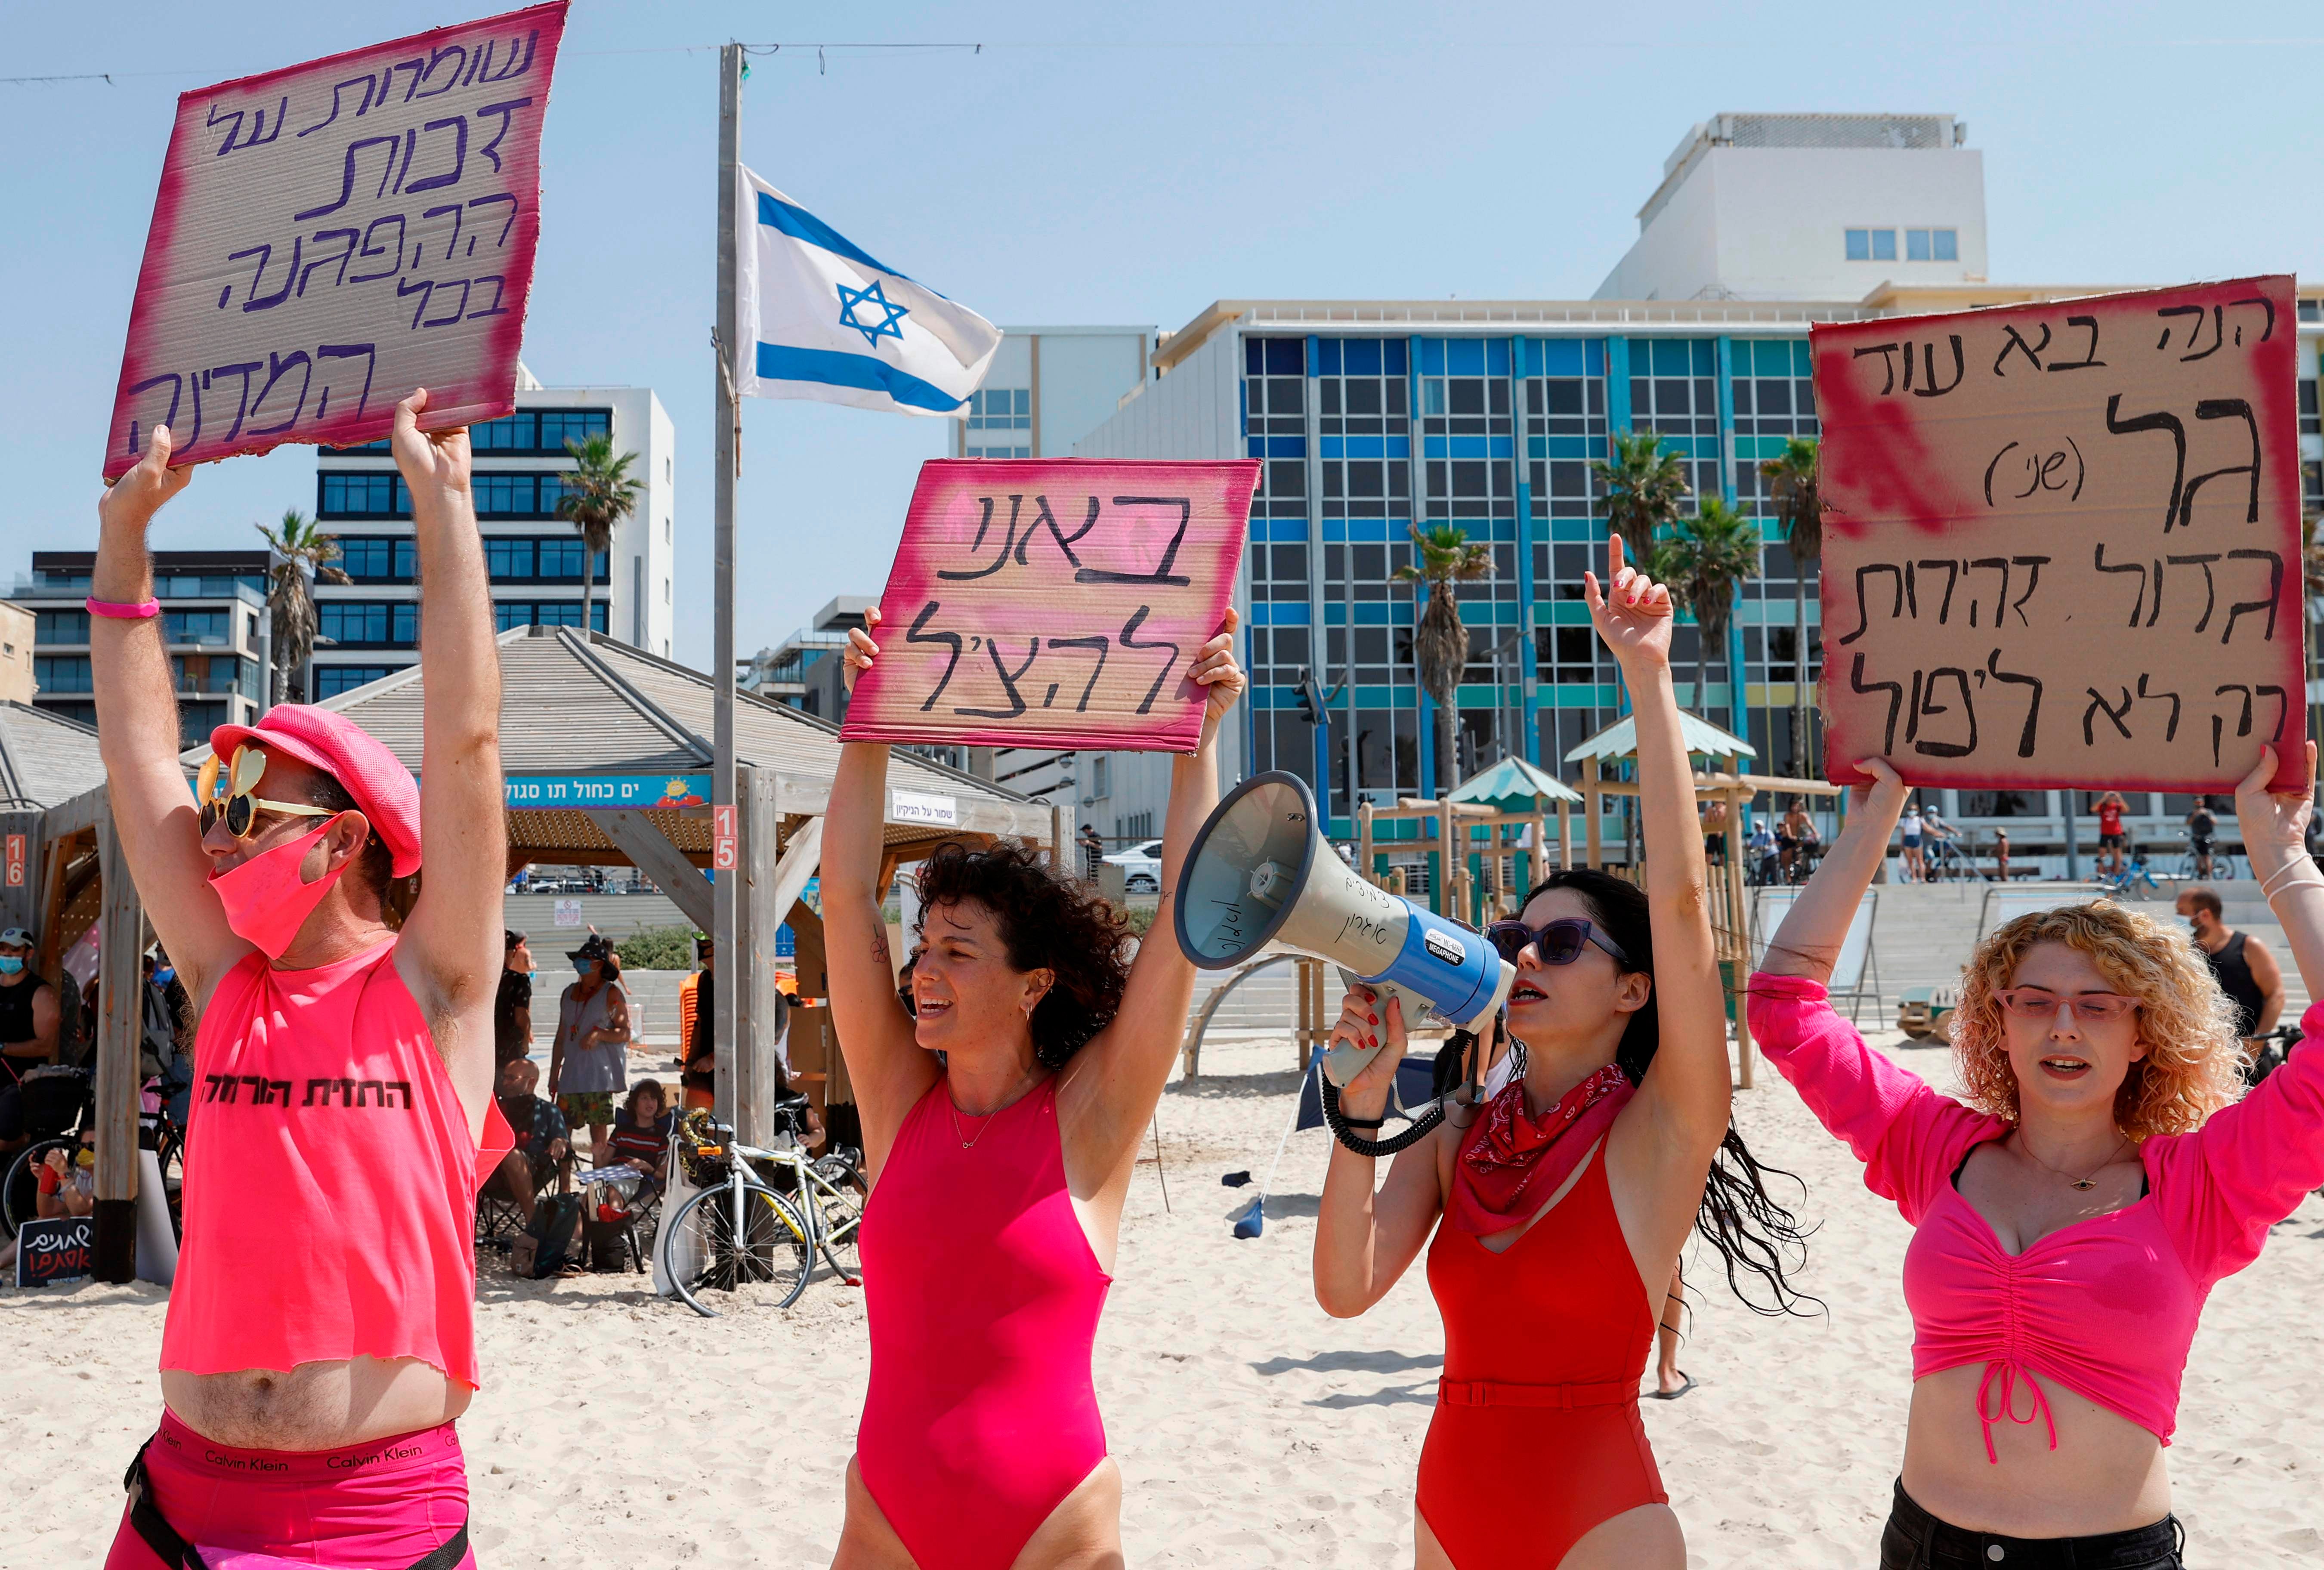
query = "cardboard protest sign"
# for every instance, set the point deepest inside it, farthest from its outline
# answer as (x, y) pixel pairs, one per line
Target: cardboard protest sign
(1054, 602)
(56, 1250)
(329, 236)
(2061, 541)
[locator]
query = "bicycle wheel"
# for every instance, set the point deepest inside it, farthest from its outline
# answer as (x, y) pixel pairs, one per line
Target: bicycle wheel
(767, 1242)
(839, 1203)
(172, 1158)
(19, 1191)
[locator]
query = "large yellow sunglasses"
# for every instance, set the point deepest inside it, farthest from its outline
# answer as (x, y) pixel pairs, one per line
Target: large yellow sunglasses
(226, 792)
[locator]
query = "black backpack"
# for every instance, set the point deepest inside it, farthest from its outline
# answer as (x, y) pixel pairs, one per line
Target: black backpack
(556, 1223)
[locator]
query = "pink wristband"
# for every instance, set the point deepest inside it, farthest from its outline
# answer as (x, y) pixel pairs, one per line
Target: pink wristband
(123, 613)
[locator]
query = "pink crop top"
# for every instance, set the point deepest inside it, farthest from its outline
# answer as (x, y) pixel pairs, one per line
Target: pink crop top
(330, 1179)
(2106, 1307)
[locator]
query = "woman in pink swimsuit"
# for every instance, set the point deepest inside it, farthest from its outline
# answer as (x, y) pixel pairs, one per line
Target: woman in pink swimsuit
(2071, 1214)
(999, 1167)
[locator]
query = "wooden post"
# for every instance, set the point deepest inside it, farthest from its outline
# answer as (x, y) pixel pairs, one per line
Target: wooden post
(1591, 810)
(1299, 968)
(749, 966)
(650, 851)
(121, 986)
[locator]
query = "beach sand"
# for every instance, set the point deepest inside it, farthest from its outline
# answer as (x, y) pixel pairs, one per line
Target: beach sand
(616, 1429)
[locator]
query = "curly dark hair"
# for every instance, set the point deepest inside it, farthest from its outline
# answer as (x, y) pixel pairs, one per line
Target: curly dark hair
(1752, 1232)
(1047, 922)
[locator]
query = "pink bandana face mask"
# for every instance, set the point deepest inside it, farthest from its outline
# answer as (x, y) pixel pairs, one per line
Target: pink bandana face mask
(265, 900)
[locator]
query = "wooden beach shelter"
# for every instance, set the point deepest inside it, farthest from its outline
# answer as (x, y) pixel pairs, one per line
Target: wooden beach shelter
(1523, 795)
(1721, 778)
(607, 754)
(60, 874)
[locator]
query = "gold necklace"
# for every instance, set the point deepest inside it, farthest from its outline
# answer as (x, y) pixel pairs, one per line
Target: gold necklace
(2090, 1179)
(952, 1108)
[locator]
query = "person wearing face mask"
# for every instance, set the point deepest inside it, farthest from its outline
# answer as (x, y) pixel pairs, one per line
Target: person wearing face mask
(29, 1021)
(319, 1345)
(2074, 1208)
(589, 1062)
(1553, 1216)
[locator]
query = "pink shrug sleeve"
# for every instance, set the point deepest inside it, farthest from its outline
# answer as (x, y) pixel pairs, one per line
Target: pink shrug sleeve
(1908, 1137)
(2221, 1188)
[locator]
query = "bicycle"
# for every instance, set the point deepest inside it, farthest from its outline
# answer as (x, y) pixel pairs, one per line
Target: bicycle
(2222, 869)
(742, 1226)
(2133, 874)
(2267, 1057)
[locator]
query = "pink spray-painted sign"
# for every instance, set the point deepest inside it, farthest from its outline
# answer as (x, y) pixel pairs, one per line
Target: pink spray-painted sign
(1055, 602)
(330, 236)
(2061, 541)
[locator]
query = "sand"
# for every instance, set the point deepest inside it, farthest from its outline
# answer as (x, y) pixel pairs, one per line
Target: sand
(1251, 1429)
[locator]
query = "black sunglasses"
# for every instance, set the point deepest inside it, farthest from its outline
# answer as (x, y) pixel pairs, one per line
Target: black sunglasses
(1558, 942)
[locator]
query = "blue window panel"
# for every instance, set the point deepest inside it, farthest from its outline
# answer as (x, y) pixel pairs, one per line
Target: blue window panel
(1364, 357)
(1398, 358)
(1288, 529)
(1372, 529)
(1372, 613)
(1565, 613)
(1286, 357)
(1469, 447)
(1287, 446)
(1288, 614)
(1335, 447)
(1364, 446)
(1432, 356)
(1399, 447)
(1327, 356)
(1500, 446)
(1464, 356)
(1433, 446)
(1383, 698)
(1497, 356)
(1948, 244)
(1883, 244)
(1859, 244)
(1257, 446)
(1572, 530)
(1916, 245)
(1594, 352)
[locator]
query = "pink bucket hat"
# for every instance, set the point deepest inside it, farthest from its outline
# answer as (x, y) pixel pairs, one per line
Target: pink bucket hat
(326, 739)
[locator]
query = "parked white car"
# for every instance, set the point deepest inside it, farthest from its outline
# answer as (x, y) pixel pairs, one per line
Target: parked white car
(1141, 867)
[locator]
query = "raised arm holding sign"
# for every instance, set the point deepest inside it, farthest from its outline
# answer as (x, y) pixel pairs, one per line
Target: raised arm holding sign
(2061, 541)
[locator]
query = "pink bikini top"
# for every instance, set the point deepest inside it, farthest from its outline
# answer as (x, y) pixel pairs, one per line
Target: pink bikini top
(2106, 1307)
(331, 1181)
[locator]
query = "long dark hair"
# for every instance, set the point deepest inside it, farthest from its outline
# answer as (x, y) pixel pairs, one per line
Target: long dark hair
(1738, 1217)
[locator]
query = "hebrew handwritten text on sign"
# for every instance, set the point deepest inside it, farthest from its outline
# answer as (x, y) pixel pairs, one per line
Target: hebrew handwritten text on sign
(329, 236)
(1055, 602)
(2061, 541)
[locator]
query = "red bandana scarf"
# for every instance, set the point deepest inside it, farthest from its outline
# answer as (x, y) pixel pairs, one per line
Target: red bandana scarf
(1513, 1162)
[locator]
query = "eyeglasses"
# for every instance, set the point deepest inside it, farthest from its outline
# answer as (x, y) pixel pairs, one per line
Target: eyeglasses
(227, 793)
(1558, 942)
(2040, 1004)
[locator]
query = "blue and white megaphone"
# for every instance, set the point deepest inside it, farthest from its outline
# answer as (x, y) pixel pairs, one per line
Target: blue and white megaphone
(1261, 877)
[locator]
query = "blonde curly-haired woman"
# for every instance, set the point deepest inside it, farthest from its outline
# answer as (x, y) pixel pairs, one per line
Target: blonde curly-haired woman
(2075, 1211)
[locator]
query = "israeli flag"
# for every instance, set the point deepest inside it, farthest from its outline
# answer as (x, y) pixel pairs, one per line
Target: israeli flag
(820, 319)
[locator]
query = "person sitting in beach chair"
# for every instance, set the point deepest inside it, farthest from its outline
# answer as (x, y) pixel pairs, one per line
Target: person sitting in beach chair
(2074, 1208)
(1614, 1144)
(542, 1139)
(641, 1137)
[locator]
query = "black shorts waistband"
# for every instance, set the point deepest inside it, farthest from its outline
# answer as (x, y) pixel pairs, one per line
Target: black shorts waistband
(1928, 1543)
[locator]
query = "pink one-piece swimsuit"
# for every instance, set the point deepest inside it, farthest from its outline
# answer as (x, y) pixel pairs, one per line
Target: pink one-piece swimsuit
(983, 1297)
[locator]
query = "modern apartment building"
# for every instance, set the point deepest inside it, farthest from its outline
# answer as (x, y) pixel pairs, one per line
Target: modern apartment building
(213, 618)
(370, 628)
(1373, 416)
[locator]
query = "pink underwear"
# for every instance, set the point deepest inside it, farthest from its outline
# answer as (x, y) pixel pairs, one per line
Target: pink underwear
(388, 1503)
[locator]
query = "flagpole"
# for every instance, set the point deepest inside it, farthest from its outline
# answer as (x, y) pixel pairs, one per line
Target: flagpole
(733, 966)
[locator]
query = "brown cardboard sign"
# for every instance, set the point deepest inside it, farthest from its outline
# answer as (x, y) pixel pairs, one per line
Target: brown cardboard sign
(2061, 541)
(1055, 602)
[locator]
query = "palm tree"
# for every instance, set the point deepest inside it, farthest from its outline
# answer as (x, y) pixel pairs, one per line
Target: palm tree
(299, 547)
(598, 495)
(1791, 478)
(1704, 561)
(1646, 485)
(1440, 643)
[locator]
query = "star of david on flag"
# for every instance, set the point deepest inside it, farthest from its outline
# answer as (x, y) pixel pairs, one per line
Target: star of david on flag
(818, 317)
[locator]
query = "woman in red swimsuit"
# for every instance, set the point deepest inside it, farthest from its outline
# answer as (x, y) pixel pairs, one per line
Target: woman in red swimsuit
(1001, 1121)
(1566, 1200)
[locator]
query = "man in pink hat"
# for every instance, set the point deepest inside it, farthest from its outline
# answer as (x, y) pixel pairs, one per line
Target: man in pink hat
(320, 1342)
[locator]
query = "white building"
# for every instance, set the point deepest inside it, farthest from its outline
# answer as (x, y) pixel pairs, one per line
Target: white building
(1050, 386)
(1809, 206)
(534, 558)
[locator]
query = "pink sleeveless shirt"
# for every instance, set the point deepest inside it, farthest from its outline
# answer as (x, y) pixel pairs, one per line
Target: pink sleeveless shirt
(331, 1181)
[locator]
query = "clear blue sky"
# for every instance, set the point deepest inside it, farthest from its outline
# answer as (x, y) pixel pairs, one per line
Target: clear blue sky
(1126, 164)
